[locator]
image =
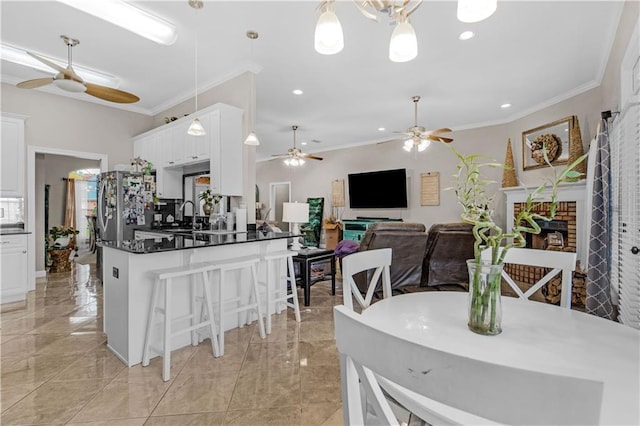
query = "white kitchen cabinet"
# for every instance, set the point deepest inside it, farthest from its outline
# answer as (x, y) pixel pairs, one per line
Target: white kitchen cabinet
(221, 147)
(13, 268)
(12, 153)
(226, 163)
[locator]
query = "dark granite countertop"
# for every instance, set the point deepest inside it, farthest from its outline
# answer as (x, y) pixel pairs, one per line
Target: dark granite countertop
(182, 241)
(13, 231)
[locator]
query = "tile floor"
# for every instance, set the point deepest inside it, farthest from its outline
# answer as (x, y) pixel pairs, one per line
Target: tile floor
(56, 369)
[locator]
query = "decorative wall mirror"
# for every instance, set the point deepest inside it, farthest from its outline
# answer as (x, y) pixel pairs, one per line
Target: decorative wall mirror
(554, 136)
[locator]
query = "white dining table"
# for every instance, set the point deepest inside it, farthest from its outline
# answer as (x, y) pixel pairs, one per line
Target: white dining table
(535, 336)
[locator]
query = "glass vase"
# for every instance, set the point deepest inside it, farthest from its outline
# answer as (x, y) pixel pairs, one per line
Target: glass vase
(485, 308)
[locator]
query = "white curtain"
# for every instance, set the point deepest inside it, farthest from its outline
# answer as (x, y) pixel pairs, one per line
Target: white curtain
(81, 212)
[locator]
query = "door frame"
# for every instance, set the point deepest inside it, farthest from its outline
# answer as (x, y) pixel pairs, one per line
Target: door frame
(32, 151)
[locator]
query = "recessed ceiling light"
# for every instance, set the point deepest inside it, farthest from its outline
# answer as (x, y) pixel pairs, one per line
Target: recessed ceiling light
(505, 106)
(298, 92)
(128, 17)
(381, 129)
(20, 57)
(303, 143)
(466, 35)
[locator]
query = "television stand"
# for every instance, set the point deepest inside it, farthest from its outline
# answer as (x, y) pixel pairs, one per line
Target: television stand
(354, 229)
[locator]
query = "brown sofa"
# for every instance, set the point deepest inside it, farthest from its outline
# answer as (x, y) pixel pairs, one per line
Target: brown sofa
(408, 241)
(449, 245)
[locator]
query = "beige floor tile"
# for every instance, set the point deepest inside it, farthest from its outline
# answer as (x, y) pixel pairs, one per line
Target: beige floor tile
(318, 353)
(323, 302)
(23, 325)
(322, 414)
(198, 391)
(12, 393)
(75, 343)
(153, 371)
(321, 384)
(62, 325)
(267, 389)
(121, 422)
(316, 330)
(199, 419)
(28, 344)
(122, 399)
(273, 416)
(310, 313)
(101, 364)
(52, 403)
(203, 359)
(36, 368)
(287, 333)
(271, 355)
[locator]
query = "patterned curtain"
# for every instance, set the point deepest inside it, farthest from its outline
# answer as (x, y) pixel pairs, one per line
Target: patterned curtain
(599, 274)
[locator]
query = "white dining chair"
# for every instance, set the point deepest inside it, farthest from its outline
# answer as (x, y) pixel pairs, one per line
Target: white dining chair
(558, 261)
(378, 261)
(446, 388)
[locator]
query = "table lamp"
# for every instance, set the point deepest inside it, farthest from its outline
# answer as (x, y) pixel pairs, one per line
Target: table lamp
(295, 213)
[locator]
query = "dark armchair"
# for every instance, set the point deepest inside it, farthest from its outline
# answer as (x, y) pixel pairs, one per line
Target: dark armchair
(449, 245)
(408, 241)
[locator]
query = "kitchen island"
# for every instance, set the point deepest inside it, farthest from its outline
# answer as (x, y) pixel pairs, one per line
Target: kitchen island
(128, 284)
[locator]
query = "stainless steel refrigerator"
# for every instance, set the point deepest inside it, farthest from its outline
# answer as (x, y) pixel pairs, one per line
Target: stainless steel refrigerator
(125, 204)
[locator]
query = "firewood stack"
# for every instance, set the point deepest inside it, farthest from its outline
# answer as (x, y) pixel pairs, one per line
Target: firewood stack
(553, 290)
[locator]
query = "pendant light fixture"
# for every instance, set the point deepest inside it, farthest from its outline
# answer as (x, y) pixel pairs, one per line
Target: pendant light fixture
(196, 129)
(475, 10)
(403, 46)
(252, 138)
(328, 38)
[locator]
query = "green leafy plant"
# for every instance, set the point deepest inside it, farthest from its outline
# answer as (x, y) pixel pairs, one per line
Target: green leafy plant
(208, 197)
(61, 231)
(477, 210)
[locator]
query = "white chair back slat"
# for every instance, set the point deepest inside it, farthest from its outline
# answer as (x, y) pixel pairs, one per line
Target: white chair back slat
(557, 260)
(443, 387)
(378, 260)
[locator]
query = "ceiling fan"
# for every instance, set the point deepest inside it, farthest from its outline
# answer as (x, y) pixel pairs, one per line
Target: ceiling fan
(68, 80)
(418, 136)
(294, 156)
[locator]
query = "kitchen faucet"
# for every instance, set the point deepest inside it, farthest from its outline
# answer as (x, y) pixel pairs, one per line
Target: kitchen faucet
(193, 215)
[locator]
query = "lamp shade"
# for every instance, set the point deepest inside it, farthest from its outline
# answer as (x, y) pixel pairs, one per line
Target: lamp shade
(475, 10)
(403, 46)
(196, 128)
(328, 37)
(295, 212)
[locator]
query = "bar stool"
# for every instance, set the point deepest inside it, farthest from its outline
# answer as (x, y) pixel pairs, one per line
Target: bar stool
(164, 280)
(274, 288)
(247, 263)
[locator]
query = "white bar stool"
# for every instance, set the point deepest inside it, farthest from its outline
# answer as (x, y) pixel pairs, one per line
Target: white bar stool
(164, 279)
(252, 302)
(276, 292)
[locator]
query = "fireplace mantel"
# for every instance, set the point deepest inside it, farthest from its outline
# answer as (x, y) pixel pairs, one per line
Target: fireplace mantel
(576, 192)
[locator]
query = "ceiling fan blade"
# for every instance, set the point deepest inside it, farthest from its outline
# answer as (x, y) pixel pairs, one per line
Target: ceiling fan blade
(313, 157)
(443, 130)
(66, 72)
(110, 94)
(38, 82)
(440, 138)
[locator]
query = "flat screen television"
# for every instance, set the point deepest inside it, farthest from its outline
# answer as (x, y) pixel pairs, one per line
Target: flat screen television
(385, 189)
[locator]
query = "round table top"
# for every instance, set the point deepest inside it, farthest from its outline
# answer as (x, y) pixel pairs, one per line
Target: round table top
(535, 336)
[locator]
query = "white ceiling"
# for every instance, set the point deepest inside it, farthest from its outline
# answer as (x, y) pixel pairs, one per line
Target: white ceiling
(529, 53)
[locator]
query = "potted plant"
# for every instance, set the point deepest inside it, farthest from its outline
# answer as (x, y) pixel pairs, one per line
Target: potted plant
(485, 277)
(210, 200)
(60, 236)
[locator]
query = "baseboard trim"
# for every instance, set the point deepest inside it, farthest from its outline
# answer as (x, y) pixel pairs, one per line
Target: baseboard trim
(41, 274)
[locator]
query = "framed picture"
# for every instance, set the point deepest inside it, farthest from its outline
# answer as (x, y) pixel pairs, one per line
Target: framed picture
(554, 137)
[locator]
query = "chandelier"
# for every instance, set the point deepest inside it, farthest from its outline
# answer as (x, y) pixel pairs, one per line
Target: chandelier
(403, 45)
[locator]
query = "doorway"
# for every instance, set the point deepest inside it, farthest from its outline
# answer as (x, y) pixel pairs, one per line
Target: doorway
(279, 193)
(35, 204)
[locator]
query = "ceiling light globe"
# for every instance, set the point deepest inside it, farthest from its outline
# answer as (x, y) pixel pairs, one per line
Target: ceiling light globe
(403, 46)
(252, 139)
(300, 161)
(328, 38)
(424, 144)
(196, 129)
(475, 10)
(408, 144)
(70, 85)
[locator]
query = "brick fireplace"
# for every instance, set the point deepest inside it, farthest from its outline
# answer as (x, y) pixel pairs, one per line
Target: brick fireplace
(567, 232)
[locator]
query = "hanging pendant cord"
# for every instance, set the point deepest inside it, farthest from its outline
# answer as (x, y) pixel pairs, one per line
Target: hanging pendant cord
(196, 71)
